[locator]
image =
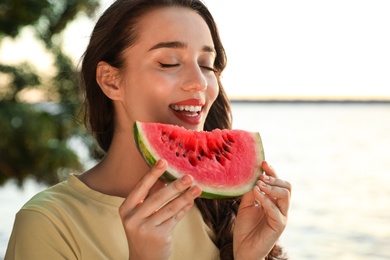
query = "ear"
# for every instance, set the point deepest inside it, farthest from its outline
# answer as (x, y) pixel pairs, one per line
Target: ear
(108, 79)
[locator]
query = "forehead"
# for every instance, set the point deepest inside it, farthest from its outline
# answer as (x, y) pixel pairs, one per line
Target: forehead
(173, 23)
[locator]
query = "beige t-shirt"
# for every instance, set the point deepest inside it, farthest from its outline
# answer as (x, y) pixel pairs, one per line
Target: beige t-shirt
(72, 221)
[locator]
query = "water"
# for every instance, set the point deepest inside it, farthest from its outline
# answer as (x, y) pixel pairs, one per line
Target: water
(337, 158)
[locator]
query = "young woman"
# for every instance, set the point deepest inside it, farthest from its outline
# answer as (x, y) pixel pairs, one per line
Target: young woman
(160, 61)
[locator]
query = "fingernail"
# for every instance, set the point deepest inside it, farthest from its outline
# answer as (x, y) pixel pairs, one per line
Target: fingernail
(263, 184)
(186, 180)
(266, 177)
(160, 163)
(195, 191)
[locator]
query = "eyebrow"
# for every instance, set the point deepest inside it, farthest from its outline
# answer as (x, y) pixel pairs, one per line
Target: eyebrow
(179, 45)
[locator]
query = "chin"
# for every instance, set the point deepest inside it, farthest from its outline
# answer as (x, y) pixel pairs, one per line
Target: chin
(195, 128)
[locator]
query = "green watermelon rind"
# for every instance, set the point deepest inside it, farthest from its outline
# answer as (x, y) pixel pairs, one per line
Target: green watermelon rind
(208, 193)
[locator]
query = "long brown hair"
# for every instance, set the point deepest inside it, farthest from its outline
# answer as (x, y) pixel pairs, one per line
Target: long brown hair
(114, 32)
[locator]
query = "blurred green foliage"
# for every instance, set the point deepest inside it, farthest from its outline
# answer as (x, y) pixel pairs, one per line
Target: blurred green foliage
(35, 138)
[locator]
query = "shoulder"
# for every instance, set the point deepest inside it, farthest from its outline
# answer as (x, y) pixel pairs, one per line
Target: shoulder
(71, 195)
(66, 220)
(49, 199)
(65, 204)
(37, 225)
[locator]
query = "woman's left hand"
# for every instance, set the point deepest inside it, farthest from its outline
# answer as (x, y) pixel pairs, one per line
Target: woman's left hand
(262, 216)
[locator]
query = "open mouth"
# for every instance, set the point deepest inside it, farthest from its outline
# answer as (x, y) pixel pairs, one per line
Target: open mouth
(191, 111)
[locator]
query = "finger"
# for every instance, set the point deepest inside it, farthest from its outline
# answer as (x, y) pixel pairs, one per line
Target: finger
(248, 200)
(157, 186)
(141, 190)
(275, 217)
(169, 224)
(268, 169)
(275, 182)
(179, 215)
(174, 211)
(163, 196)
(279, 195)
(264, 201)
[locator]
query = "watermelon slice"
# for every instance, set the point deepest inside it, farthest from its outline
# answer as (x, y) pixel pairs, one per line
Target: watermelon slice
(225, 163)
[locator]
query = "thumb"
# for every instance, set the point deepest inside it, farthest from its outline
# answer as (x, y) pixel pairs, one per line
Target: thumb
(248, 199)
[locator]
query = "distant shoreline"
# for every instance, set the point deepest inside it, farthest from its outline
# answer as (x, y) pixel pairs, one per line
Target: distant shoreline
(312, 101)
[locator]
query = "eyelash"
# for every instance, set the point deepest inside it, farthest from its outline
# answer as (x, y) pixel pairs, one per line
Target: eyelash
(209, 68)
(167, 66)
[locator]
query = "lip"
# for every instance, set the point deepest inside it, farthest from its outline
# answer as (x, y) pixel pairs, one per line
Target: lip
(192, 120)
(190, 102)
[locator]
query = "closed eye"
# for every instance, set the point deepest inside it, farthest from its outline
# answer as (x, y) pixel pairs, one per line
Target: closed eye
(208, 68)
(172, 65)
(168, 65)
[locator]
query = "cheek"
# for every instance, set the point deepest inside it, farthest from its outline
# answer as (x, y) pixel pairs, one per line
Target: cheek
(213, 90)
(145, 102)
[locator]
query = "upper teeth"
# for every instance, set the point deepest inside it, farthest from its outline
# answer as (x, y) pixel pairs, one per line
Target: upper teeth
(187, 108)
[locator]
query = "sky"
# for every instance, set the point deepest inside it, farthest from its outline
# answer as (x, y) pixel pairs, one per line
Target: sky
(287, 48)
(306, 48)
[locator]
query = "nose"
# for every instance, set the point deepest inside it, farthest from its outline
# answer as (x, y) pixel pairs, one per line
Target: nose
(194, 79)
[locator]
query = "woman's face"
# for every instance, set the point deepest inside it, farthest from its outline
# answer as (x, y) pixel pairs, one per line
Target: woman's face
(169, 77)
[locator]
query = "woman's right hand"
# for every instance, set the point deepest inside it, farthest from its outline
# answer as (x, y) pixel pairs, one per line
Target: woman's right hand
(149, 217)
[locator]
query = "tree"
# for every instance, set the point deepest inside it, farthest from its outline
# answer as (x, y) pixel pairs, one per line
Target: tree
(35, 138)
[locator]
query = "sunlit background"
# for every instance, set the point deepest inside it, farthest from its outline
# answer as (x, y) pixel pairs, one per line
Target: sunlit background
(335, 154)
(303, 48)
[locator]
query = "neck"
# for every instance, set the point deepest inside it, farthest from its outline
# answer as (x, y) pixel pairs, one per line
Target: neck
(120, 170)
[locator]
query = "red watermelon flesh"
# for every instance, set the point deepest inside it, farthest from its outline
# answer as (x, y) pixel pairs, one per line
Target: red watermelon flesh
(225, 163)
